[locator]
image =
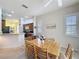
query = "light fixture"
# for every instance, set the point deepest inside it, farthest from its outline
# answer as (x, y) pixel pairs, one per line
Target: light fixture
(12, 12)
(60, 3)
(9, 15)
(48, 3)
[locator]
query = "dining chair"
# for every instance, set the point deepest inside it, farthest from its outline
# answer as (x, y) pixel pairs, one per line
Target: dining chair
(30, 38)
(52, 45)
(42, 53)
(68, 54)
(30, 50)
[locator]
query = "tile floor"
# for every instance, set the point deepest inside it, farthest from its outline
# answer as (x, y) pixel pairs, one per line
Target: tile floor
(12, 53)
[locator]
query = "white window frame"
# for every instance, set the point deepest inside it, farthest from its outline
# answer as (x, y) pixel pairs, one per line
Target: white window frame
(69, 15)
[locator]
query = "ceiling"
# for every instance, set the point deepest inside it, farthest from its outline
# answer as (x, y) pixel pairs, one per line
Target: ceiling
(35, 7)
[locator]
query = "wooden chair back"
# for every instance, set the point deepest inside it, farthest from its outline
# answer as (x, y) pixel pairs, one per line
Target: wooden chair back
(29, 38)
(30, 50)
(51, 46)
(41, 53)
(69, 52)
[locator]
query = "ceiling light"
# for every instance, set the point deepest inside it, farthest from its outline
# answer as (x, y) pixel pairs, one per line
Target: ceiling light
(48, 3)
(60, 3)
(9, 15)
(12, 12)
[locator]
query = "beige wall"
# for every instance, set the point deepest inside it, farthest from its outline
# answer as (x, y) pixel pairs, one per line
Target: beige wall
(57, 17)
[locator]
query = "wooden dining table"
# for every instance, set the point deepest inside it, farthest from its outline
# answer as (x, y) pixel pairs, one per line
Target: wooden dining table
(52, 46)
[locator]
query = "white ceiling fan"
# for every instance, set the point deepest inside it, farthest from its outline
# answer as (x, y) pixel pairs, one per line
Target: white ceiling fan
(48, 3)
(59, 3)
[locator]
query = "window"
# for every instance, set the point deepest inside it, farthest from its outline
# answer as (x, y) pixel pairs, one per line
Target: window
(71, 26)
